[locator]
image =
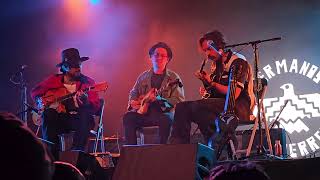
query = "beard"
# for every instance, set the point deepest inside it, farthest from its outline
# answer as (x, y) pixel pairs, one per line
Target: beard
(215, 58)
(212, 58)
(75, 76)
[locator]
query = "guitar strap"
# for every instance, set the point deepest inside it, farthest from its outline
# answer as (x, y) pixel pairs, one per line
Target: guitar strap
(229, 56)
(220, 69)
(228, 93)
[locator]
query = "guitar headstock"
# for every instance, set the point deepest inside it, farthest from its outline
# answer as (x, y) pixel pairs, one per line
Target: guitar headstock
(103, 86)
(236, 71)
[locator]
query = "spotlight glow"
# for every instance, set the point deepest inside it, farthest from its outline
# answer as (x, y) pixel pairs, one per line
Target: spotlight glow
(95, 2)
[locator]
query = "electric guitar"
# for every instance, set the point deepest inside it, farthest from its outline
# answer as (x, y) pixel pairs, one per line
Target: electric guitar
(54, 98)
(228, 120)
(226, 123)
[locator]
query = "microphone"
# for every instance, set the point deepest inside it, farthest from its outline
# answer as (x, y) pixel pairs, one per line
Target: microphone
(212, 45)
(14, 77)
(32, 108)
(21, 69)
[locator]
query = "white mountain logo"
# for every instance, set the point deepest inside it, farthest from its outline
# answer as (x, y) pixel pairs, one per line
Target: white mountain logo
(300, 107)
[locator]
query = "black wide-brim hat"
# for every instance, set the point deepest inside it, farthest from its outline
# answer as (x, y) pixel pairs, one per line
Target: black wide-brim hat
(71, 57)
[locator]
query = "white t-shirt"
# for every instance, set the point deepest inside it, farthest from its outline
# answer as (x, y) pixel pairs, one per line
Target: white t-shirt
(72, 88)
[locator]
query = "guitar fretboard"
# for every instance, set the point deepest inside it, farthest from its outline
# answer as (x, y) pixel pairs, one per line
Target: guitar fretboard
(68, 96)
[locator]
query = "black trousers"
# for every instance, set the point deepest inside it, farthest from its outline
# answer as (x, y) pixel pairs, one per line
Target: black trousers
(133, 121)
(55, 124)
(202, 112)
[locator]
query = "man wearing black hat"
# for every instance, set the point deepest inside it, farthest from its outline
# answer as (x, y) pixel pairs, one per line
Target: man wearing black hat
(153, 96)
(73, 114)
(205, 111)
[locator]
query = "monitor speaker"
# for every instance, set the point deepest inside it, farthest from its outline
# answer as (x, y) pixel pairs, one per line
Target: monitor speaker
(158, 162)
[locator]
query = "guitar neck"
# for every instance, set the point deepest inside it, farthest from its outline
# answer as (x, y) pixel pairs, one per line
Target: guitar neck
(169, 84)
(202, 65)
(230, 98)
(68, 96)
(58, 95)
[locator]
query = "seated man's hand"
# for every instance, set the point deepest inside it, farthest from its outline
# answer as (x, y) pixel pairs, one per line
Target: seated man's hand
(203, 76)
(202, 91)
(135, 104)
(150, 96)
(82, 97)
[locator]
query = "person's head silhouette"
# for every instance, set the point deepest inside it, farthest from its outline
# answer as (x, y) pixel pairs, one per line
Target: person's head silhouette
(23, 156)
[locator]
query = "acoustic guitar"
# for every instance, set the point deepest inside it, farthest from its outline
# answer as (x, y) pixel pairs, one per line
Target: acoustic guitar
(164, 104)
(224, 126)
(54, 98)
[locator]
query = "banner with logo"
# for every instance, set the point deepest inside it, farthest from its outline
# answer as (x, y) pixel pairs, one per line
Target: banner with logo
(293, 87)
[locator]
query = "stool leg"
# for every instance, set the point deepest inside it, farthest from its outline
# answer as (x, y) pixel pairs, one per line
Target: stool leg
(141, 138)
(267, 130)
(38, 129)
(102, 141)
(252, 137)
(98, 137)
(233, 150)
(96, 143)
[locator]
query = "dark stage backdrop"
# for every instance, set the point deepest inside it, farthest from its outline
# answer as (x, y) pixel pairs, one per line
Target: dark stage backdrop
(116, 35)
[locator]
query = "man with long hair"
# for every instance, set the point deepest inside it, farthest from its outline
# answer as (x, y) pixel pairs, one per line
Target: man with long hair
(204, 112)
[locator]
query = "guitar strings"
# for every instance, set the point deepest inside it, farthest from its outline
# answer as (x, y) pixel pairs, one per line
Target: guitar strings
(232, 91)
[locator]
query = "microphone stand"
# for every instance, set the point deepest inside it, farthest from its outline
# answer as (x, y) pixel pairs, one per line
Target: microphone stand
(253, 42)
(23, 94)
(254, 45)
(277, 118)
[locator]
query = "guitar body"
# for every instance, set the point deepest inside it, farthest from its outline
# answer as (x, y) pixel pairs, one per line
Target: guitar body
(222, 132)
(141, 104)
(228, 123)
(52, 97)
(49, 100)
(223, 126)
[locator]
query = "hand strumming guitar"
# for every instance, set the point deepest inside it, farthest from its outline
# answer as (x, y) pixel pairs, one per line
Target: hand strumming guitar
(202, 91)
(150, 97)
(203, 76)
(82, 97)
(141, 104)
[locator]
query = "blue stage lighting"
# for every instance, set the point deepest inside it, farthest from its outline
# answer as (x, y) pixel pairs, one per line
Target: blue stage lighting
(95, 2)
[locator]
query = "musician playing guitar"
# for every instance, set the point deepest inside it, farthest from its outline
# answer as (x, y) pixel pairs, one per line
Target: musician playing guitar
(204, 111)
(153, 97)
(73, 113)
